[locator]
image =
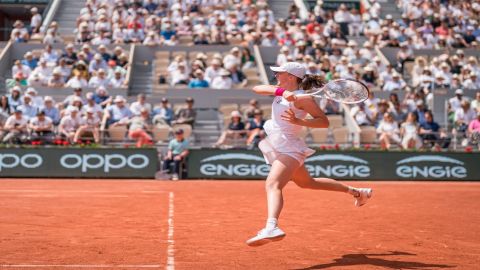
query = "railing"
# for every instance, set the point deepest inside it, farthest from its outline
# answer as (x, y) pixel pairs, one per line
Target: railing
(302, 8)
(4, 64)
(52, 10)
(352, 126)
(129, 75)
(260, 65)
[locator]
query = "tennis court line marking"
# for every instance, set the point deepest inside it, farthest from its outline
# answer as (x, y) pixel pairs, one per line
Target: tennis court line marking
(171, 242)
(81, 265)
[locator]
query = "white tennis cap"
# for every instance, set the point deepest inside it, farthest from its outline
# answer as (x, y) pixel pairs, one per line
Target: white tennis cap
(294, 68)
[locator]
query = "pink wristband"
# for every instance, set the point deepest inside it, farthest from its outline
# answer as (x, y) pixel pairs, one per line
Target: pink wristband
(279, 91)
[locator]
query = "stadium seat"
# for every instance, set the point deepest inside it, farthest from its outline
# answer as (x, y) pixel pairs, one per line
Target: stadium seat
(161, 133)
(336, 121)
(368, 135)
(319, 135)
(117, 133)
(340, 135)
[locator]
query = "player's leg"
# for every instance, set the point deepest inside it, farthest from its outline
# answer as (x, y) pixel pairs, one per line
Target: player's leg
(280, 174)
(303, 179)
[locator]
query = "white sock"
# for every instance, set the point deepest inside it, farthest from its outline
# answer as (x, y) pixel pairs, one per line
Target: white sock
(271, 223)
(353, 191)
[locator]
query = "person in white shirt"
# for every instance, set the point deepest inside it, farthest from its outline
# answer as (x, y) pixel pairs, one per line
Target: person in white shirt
(90, 123)
(50, 55)
(42, 69)
(140, 104)
(395, 84)
(362, 115)
(233, 58)
(388, 131)
(69, 124)
(36, 20)
(180, 75)
(41, 128)
(223, 81)
(282, 57)
(15, 128)
(36, 100)
(455, 102)
(52, 37)
(77, 81)
(118, 79)
(464, 115)
(213, 70)
(99, 80)
(472, 83)
(91, 104)
(21, 68)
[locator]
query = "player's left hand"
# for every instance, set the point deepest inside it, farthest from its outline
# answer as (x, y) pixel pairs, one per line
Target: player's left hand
(289, 116)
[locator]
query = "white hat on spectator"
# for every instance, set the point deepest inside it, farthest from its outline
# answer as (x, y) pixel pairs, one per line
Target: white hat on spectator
(352, 43)
(28, 54)
(368, 68)
(101, 70)
(444, 65)
(73, 109)
(48, 98)
(57, 71)
(459, 51)
(119, 98)
(224, 72)
(89, 96)
(102, 46)
(396, 75)
(439, 76)
(294, 68)
(419, 102)
(470, 28)
(235, 49)
(367, 44)
(472, 74)
(27, 96)
(201, 56)
(34, 9)
(300, 43)
(218, 56)
(85, 46)
(90, 110)
(389, 17)
(459, 91)
(31, 90)
(101, 89)
(312, 64)
(16, 88)
(198, 72)
(69, 46)
(376, 58)
(98, 56)
(76, 98)
(216, 62)
(235, 114)
(118, 48)
(284, 49)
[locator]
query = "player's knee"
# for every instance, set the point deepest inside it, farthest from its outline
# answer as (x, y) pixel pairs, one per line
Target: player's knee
(272, 186)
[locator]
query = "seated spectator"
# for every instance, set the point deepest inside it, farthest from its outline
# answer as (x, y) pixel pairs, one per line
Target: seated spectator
(69, 124)
(420, 111)
(163, 114)
(255, 131)
(36, 100)
(80, 70)
(101, 97)
(41, 128)
(77, 81)
(15, 129)
(186, 115)
(70, 55)
(56, 80)
(29, 111)
(180, 75)
(395, 84)
(77, 93)
(50, 55)
(474, 129)
(118, 113)
(140, 104)
(43, 70)
(472, 83)
(50, 110)
(99, 80)
(431, 133)
(29, 61)
(199, 80)
(118, 79)
(476, 102)
(91, 104)
(5, 109)
(90, 124)
(463, 116)
(15, 97)
(177, 153)
(97, 63)
(329, 106)
(235, 130)
(21, 68)
(139, 128)
(409, 132)
(223, 81)
(213, 70)
(388, 131)
(249, 112)
(238, 77)
(362, 115)
(52, 37)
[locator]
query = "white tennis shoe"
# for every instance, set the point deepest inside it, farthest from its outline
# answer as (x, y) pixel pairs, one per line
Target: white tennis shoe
(266, 236)
(363, 195)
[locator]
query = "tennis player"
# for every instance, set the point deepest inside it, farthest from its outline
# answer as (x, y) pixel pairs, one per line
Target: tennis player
(285, 151)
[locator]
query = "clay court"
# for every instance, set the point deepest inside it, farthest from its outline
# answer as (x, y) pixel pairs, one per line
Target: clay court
(106, 224)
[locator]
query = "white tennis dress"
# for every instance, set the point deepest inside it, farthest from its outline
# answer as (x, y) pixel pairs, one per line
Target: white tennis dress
(283, 137)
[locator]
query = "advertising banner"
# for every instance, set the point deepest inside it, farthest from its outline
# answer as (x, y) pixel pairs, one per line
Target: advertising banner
(348, 165)
(78, 163)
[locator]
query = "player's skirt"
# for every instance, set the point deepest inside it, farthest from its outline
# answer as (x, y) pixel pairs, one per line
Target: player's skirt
(276, 144)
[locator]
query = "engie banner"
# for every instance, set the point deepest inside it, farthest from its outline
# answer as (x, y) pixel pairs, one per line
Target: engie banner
(78, 162)
(349, 165)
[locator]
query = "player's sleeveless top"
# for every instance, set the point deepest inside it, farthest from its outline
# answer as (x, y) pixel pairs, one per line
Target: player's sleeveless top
(284, 137)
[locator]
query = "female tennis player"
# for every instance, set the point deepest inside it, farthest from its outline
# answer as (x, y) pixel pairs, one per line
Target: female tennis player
(285, 151)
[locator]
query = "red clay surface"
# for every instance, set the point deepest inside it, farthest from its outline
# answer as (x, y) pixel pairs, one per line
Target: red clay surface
(104, 224)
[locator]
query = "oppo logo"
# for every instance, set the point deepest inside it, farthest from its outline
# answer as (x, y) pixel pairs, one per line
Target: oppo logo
(444, 167)
(211, 168)
(28, 161)
(339, 166)
(107, 162)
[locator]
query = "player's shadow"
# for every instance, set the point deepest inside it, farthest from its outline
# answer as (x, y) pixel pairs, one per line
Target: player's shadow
(372, 259)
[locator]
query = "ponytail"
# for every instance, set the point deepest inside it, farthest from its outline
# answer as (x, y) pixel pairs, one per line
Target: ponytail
(311, 81)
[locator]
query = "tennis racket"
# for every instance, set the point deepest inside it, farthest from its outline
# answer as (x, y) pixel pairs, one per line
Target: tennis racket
(343, 90)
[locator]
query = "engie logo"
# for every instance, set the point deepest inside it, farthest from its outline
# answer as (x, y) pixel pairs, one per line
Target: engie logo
(27, 161)
(107, 162)
(234, 165)
(337, 165)
(436, 167)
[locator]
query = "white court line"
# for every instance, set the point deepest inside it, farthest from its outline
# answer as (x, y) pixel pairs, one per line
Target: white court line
(81, 265)
(171, 241)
